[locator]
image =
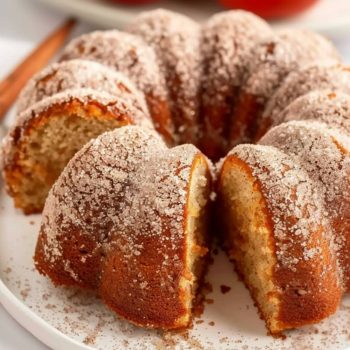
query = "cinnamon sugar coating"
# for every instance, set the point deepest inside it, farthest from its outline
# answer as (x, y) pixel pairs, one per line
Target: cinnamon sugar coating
(317, 76)
(327, 106)
(130, 55)
(126, 221)
(116, 219)
(287, 190)
(114, 105)
(176, 41)
(75, 74)
(269, 64)
(304, 274)
(324, 153)
(227, 39)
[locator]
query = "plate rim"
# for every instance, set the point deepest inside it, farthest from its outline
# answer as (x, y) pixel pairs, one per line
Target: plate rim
(38, 327)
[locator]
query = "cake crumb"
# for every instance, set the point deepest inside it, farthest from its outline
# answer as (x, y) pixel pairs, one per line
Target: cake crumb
(224, 289)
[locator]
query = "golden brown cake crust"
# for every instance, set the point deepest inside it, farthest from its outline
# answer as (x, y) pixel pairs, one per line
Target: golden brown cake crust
(126, 218)
(270, 63)
(130, 55)
(305, 275)
(328, 106)
(227, 39)
(315, 76)
(75, 74)
(85, 103)
(324, 153)
(176, 41)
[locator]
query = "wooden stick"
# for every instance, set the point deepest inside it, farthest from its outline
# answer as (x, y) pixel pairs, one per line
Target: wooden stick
(13, 83)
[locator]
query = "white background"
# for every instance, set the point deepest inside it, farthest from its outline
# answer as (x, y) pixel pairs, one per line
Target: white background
(22, 25)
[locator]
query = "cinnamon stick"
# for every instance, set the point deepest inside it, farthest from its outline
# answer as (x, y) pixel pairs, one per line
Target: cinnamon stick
(13, 83)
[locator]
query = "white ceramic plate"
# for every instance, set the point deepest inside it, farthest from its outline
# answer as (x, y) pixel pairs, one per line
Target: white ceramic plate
(328, 16)
(69, 319)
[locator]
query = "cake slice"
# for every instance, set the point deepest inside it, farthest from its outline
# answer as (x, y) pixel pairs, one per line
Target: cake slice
(48, 134)
(127, 218)
(278, 235)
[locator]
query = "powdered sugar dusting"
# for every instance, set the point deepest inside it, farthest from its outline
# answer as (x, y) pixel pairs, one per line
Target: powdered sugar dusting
(296, 208)
(76, 74)
(124, 52)
(324, 154)
(274, 58)
(142, 191)
(176, 41)
(317, 76)
(327, 106)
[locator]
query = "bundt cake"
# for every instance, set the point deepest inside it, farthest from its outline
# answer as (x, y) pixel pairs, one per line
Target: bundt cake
(128, 216)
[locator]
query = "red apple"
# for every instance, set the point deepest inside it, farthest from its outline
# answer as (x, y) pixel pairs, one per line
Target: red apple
(133, 2)
(270, 9)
